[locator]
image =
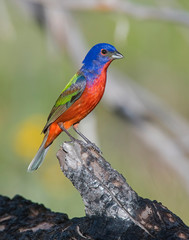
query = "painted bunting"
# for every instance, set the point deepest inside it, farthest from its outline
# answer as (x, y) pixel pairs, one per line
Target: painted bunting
(78, 99)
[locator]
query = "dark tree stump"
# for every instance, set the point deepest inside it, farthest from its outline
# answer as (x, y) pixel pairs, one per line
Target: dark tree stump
(113, 209)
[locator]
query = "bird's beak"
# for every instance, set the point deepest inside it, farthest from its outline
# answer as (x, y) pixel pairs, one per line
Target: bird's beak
(117, 55)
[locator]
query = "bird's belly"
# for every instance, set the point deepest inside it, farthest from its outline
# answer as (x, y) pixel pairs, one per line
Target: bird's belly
(83, 106)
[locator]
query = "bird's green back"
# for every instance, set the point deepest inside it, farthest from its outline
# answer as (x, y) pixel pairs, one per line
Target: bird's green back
(68, 96)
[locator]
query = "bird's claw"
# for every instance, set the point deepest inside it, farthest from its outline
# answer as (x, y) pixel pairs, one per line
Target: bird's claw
(94, 147)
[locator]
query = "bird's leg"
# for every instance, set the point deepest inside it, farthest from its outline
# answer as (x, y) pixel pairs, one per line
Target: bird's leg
(63, 129)
(89, 143)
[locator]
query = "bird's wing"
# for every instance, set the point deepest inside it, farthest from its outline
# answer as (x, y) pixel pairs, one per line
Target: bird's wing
(69, 95)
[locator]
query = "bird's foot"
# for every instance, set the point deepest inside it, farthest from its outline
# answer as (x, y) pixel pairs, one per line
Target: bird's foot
(94, 147)
(89, 143)
(71, 141)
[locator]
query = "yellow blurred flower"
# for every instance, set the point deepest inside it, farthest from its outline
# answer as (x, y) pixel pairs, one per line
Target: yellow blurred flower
(28, 136)
(26, 142)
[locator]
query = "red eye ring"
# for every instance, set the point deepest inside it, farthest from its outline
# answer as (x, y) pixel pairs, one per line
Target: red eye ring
(104, 51)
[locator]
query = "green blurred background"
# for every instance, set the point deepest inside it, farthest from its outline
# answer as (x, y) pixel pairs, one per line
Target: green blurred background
(31, 78)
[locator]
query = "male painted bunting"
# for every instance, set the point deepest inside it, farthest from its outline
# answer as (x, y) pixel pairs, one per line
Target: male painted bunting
(78, 99)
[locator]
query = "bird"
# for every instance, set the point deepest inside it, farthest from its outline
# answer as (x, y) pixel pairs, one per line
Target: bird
(80, 96)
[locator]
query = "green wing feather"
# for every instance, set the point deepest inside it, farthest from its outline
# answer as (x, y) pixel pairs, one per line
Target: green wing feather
(69, 95)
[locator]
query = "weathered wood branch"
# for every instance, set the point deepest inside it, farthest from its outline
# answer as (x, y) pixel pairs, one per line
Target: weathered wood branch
(106, 193)
(113, 208)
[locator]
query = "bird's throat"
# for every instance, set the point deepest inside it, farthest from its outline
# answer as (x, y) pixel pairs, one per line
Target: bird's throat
(97, 74)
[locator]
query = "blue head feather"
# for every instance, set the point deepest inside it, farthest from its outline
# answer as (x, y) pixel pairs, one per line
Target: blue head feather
(95, 60)
(95, 57)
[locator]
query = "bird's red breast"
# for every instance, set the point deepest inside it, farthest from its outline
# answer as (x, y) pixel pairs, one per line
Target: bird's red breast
(82, 107)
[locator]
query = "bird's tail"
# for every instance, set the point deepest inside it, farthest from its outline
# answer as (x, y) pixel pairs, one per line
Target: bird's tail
(39, 157)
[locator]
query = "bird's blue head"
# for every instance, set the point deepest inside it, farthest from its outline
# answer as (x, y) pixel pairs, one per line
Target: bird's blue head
(99, 55)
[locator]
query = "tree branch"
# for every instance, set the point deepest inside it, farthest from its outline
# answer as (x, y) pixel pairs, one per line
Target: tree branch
(106, 193)
(113, 209)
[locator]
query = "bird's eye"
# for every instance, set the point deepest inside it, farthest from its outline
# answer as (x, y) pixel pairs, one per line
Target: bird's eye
(104, 51)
